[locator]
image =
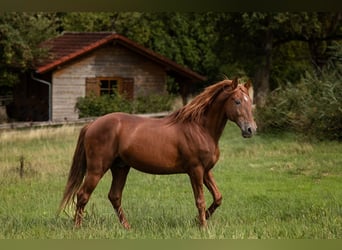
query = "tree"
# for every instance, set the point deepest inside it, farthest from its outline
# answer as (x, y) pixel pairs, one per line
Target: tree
(87, 21)
(20, 34)
(255, 37)
(186, 38)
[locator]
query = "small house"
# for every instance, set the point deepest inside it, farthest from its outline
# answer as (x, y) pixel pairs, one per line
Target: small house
(81, 63)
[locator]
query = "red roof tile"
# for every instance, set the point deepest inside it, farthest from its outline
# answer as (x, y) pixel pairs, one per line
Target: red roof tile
(71, 45)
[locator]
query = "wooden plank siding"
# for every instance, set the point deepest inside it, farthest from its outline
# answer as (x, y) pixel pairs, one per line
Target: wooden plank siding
(69, 81)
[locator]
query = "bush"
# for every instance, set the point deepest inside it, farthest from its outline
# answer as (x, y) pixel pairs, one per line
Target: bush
(153, 103)
(312, 107)
(92, 105)
(96, 106)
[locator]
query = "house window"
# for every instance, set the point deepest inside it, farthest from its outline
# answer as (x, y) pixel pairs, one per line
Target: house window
(108, 86)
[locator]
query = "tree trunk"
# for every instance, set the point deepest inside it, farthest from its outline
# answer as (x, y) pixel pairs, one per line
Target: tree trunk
(262, 75)
(261, 81)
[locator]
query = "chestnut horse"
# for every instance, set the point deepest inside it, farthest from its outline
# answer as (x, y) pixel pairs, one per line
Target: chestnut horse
(186, 141)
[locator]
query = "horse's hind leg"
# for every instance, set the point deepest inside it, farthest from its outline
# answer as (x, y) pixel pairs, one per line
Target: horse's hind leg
(210, 183)
(91, 180)
(119, 174)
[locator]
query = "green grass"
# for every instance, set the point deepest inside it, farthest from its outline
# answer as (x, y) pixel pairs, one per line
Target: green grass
(273, 186)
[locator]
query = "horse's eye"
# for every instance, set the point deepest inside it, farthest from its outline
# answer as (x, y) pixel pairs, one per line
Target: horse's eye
(237, 102)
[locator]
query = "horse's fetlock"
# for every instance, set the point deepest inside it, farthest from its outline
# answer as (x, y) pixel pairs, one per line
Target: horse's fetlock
(218, 201)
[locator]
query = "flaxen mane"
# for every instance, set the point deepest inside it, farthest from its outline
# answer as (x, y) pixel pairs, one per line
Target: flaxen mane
(193, 111)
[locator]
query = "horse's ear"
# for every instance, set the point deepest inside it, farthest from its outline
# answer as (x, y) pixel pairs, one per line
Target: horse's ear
(235, 82)
(248, 84)
(232, 85)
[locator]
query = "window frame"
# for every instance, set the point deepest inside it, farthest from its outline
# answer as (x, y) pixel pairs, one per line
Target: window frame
(125, 86)
(110, 90)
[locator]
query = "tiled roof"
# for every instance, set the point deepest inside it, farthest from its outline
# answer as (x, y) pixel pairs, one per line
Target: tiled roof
(71, 45)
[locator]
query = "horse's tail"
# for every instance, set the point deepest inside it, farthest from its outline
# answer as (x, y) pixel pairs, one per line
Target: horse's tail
(76, 173)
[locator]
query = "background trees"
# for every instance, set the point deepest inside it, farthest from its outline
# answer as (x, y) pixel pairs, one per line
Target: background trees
(277, 47)
(272, 49)
(20, 33)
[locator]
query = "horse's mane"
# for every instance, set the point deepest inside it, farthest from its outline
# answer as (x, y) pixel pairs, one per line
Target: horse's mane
(193, 111)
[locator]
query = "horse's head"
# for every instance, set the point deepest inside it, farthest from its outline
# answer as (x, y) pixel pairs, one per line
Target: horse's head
(238, 108)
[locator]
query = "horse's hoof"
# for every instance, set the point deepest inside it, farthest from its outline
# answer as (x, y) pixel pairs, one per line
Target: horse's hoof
(126, 226)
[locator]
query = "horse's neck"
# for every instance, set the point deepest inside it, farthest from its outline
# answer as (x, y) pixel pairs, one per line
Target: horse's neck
(215, 120)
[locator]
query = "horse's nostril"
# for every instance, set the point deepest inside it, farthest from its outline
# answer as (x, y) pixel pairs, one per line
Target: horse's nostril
(249, 130)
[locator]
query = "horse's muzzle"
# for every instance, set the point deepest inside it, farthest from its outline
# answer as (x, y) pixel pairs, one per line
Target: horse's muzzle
(248, 130)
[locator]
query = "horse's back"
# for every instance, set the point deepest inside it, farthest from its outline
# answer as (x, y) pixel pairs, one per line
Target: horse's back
(112, 123)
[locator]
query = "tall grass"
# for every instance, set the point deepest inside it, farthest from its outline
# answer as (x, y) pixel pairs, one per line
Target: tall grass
(43, 151)
(273, 187)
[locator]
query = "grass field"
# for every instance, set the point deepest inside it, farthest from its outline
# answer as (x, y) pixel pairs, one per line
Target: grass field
(273, 186)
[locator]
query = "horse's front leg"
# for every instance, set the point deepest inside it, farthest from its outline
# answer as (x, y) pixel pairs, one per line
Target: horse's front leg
(210, 183)
(196, 178)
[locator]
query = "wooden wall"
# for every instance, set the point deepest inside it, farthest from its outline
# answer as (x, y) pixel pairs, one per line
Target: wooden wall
(69, 81)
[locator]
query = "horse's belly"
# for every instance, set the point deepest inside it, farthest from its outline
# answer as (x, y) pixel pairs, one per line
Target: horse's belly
(154, 167)
(151, 159)
(157, 169)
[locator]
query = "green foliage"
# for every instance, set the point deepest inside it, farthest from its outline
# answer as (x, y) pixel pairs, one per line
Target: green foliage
(312, 107)
(152, 103)
(290, 62)
(97, 106)
(87, 21)
(275, 47)
(20, 34)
